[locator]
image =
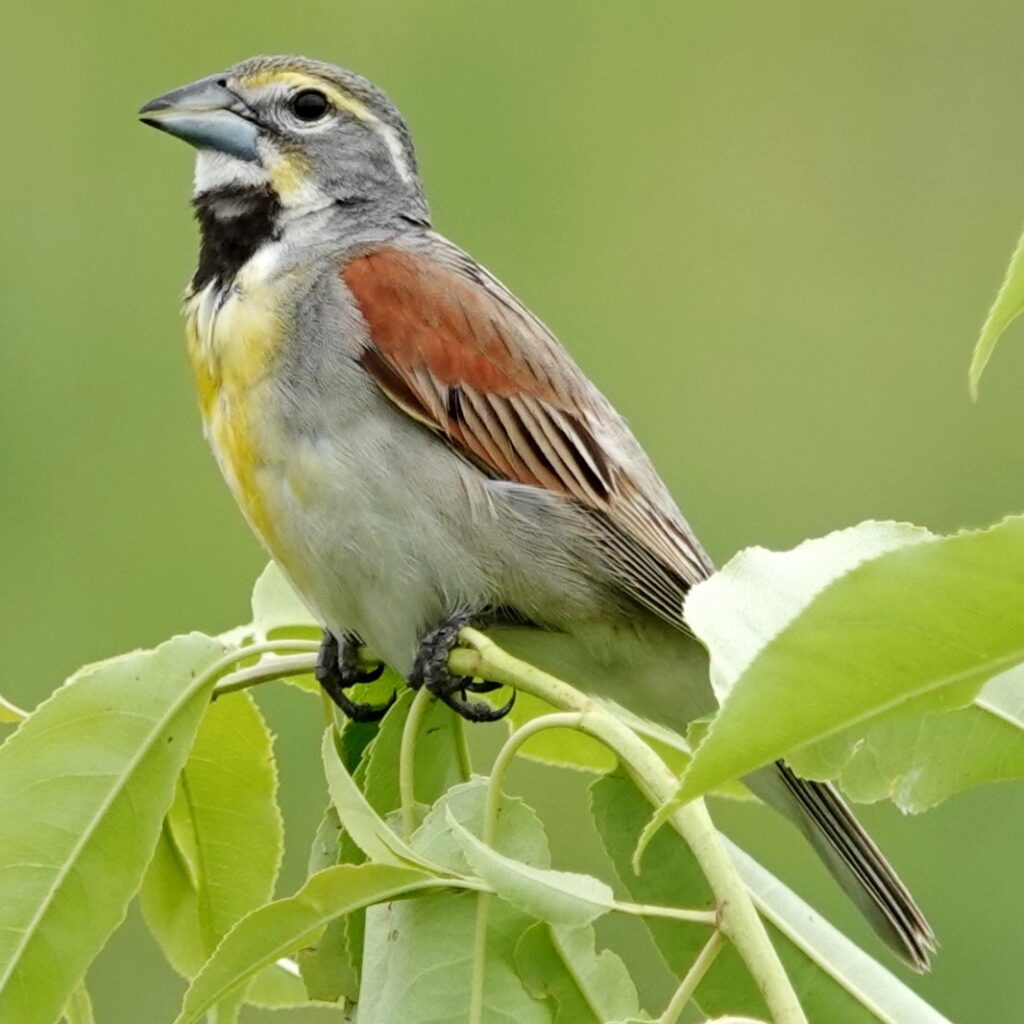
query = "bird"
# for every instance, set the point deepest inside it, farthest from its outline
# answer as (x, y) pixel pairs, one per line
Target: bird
(418, 452)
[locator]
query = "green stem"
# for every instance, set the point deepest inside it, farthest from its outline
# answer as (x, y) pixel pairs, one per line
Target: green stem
(268, 647)
(265, 672)
(568, 720)
(558, 720)
(688, 986)
(483, 659)
(476, 981)
(495, 786)
(11, 713)
(672, 913)
(407, 759)
(462, 752)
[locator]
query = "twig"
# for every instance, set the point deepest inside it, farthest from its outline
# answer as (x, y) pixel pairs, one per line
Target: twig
(694, 976)
(406, 760)
(489, 835)
(462, 752)
(483, 659)
(265, 672)
(495, 786)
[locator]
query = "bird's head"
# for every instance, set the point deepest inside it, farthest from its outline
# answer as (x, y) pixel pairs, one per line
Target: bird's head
(310, 134)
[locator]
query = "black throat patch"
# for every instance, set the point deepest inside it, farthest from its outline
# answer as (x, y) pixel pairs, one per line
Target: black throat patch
(234, 222)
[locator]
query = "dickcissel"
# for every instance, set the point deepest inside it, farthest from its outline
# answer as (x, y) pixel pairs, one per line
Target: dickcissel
(417, 451)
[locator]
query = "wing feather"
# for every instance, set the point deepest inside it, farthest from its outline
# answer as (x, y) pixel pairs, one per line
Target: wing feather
(456, 351)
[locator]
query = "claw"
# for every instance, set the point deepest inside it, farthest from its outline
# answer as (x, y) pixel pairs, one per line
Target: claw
(337, 669)
(369, 675)
(431, 670)
(482, 686)
(477, 710)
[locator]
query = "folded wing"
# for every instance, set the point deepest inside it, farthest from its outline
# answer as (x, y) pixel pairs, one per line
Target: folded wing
(455, 350)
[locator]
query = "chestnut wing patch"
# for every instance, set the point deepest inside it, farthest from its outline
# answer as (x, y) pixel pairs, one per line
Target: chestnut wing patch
(453, 356)
(464, 359)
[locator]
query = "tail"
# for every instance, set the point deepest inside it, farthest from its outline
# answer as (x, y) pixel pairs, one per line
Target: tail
(857, 864)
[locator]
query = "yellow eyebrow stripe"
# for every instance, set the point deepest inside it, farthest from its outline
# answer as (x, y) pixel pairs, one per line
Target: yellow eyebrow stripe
(341, 99)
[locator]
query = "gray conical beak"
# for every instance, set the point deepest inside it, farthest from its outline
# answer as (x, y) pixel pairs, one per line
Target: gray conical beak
(207, 115)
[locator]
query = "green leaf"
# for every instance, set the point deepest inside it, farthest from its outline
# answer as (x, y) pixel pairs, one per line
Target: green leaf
(1007, 307)
(79, 1009)
(435, 766)
(278, 987)
(758, 593)
(915, 630)
(354, 739)
(280, 928)
(919, 760)
(418, 960)
(325, 849)
(221, 844)
(670, 875)
(835, 982)
(84, 785)
(520, 832)
(558, 897)
(365, 826)
(418, 964)
(277, 611)
(560, 965)
(279, 614)
(329, 973)
(327, 964)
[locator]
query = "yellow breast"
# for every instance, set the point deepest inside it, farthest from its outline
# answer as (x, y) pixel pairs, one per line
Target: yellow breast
(234, 339)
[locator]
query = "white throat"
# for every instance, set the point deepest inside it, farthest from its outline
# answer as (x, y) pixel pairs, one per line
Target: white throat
(216, 171)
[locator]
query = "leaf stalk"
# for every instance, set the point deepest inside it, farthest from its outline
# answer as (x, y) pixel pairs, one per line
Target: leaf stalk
(739, 920)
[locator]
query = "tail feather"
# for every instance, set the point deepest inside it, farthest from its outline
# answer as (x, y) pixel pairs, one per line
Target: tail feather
(859, 867)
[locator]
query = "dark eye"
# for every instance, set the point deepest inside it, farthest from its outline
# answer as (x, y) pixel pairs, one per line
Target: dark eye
(310, 105)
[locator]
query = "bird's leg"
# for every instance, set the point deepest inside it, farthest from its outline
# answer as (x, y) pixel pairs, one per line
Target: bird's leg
(338, 669)
(431, 670)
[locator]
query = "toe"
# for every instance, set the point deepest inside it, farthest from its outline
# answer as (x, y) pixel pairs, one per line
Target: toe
(477, 710)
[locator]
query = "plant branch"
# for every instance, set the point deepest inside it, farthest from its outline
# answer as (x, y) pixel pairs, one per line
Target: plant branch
(11, 713)
(265, 672)
(462, 752)
(739, 921)
(406, 760)
(569, 720)
(672, 913)
(476, 981)
(482, 658)
(495, 786)
(694, 976)
(559, 720)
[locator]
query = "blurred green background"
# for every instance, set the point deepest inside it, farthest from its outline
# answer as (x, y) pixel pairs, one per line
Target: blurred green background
(768, 230)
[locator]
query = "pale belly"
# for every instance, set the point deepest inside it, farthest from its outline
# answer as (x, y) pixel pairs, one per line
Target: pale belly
(360, 548)
(381, 530)
(336, 503)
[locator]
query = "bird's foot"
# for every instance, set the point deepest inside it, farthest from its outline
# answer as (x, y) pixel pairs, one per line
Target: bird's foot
(431, 670)
(338, 669)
